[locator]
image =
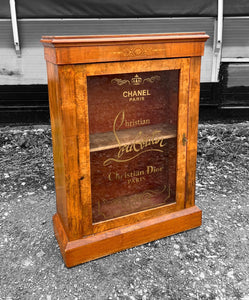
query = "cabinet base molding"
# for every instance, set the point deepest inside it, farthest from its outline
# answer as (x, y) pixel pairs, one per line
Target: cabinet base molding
(107, 242)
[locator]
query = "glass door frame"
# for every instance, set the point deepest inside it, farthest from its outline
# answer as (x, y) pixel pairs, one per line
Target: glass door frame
(82, 72)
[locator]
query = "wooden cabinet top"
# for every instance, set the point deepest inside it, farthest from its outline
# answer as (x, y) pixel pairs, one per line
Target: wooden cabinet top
(103, 48)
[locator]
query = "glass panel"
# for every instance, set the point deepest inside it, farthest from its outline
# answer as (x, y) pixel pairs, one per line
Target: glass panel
(133, 127)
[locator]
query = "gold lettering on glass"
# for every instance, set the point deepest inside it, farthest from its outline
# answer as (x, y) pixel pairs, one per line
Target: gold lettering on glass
(137, 146)
(136, 80)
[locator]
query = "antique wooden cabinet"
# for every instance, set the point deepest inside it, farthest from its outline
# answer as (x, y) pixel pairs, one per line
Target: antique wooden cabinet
(124, 117)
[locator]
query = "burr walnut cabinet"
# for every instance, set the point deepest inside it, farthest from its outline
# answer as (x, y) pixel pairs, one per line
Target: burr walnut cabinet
(124, 116)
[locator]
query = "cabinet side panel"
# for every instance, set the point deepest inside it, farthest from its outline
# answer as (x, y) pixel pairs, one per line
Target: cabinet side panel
(58, 151)
(70, 146)
(193, 116)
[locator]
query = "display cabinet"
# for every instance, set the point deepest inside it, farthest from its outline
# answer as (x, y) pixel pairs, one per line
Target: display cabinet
(124, 118)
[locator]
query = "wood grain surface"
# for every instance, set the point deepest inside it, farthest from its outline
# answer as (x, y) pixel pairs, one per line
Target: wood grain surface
(111, 95)
(118, 239)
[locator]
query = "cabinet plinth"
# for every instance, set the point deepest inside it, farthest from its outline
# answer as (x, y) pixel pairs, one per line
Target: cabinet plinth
(124, 117)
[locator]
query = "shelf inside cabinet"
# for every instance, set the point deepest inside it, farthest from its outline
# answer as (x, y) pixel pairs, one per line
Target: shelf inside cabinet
(150, 134)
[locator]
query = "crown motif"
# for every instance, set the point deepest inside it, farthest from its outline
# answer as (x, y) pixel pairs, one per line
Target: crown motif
(136, 80)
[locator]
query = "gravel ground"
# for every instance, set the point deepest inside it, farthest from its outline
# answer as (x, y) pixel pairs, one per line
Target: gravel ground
(210, 262)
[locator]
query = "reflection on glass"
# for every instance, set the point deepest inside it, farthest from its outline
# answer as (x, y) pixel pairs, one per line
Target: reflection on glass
(133, 126)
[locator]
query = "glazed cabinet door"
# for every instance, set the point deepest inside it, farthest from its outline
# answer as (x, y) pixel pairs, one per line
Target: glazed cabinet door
(137, 124)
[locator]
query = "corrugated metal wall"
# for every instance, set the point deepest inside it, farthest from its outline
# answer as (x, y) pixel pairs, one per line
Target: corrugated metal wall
(235, 38)
(30, 68)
